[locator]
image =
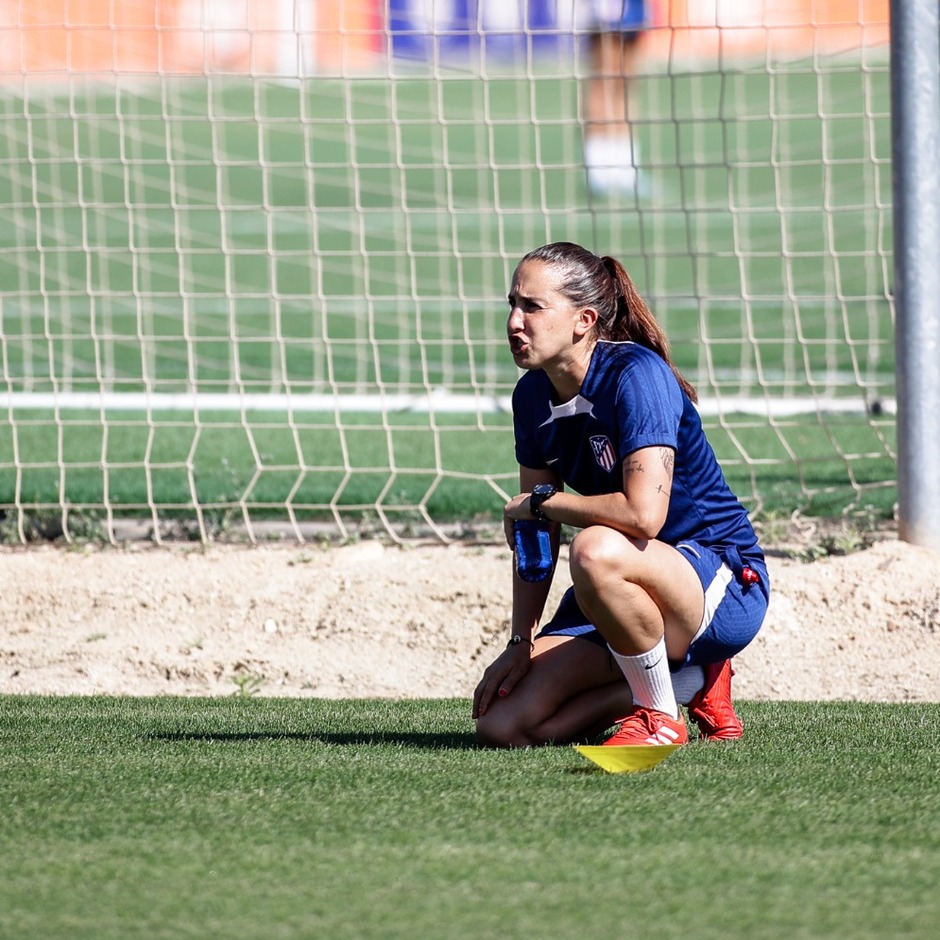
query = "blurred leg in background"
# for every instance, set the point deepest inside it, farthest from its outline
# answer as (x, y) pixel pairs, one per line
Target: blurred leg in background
(614, 40)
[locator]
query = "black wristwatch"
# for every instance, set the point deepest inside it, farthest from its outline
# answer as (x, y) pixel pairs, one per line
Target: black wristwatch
(517, 639)
(540, 493)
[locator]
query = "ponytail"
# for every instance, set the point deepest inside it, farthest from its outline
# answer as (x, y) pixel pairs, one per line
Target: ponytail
(633, 321)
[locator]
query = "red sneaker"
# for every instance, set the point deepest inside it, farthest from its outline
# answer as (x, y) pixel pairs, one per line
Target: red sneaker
(645, 726)
(711, 707)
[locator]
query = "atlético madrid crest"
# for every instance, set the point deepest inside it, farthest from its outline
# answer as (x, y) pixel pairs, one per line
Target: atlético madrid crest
(603, 452)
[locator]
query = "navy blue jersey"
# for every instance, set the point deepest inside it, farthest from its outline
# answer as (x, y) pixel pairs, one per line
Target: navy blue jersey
(631, 399)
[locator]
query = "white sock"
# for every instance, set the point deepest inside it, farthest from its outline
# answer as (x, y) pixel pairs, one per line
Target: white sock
(649, 679)
(611, 164)
(686, 682)
(602, 150)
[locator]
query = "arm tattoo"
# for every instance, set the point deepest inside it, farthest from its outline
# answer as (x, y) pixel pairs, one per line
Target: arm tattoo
(669, 458)
(633, 466)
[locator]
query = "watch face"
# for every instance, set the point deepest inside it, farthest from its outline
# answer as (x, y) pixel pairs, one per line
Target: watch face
(540, 492)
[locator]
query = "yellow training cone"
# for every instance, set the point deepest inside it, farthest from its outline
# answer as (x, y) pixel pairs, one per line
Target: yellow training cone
(626, 758)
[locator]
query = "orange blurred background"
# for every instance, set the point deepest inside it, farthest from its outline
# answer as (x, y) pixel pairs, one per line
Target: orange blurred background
(294, 37)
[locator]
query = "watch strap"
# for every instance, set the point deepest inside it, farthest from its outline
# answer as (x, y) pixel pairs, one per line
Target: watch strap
(535, 503)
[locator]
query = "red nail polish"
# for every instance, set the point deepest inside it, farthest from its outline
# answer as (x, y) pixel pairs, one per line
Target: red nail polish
(503, 693)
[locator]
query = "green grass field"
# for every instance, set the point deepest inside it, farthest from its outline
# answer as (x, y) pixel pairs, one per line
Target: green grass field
(453, 464)
(358, 236)
(281, 818)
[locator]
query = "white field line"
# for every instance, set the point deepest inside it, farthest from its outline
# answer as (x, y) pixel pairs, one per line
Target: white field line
(435, 401)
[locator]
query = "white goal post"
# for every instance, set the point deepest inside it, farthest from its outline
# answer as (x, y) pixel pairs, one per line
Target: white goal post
(255, 255)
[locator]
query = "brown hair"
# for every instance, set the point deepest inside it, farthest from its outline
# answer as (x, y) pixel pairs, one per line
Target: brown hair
(603, 283)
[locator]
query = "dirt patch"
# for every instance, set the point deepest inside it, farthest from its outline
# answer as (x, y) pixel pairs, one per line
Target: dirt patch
(376, 620)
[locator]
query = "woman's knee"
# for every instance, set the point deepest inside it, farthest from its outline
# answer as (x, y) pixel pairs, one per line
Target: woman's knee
(492, 732)
(598, 553)
(502, 727)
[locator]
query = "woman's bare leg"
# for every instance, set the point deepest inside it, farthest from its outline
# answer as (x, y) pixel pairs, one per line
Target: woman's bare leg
(573, 690)
(635, 592)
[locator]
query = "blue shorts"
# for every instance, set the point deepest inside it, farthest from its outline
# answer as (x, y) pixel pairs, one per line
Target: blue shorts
(734, 608)
(622, 16)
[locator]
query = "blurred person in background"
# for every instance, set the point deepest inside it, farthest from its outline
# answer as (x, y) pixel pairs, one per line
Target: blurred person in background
(615, 29)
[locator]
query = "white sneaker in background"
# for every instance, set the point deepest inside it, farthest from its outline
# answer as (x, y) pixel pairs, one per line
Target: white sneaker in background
(611, 166)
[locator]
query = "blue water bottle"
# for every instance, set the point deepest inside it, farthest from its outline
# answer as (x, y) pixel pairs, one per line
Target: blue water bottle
(533, 549)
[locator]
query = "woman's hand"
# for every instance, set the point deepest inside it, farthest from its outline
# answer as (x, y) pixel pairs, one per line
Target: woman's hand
(516, 508)
(501, 676)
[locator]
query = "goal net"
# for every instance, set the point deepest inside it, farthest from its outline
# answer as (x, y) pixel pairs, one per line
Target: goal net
(255, 255)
